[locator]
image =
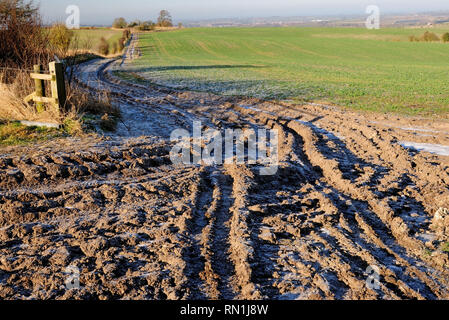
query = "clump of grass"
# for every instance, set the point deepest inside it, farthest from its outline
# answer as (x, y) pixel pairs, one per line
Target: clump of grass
(426, 37)
(90, 111)
(114, 48)
(80, 101)
(108, 123)
(103, 47)
(427, 252)
(131, 76)
(445, 37)
(429, 37)
(13, 133)
(72, 126)
(12, 106)
(445, 247)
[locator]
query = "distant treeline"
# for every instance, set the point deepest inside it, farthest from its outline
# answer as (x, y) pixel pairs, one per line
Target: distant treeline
(164, 20)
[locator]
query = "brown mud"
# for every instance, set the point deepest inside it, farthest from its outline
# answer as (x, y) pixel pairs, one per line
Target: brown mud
(347, 196)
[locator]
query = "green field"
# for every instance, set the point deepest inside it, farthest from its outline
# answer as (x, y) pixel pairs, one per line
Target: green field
(89, 39)
(358, 68)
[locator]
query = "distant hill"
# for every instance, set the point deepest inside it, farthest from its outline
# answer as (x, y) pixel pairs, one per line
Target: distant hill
(387, 20)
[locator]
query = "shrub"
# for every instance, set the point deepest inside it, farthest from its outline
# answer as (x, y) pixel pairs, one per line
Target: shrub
(23, 41)
(114, 48)
(429, 37)
(446, 37)
(121, 44)
(108, 123)
(126, 34)
(103, 47)
(60, 37)
(146, 26)
(413, 38)
(445, 247)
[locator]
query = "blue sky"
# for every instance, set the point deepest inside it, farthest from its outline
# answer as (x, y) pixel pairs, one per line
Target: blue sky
(103, 11)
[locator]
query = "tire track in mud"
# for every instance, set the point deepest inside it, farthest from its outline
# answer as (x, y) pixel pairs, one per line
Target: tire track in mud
(209, 269)
(346, 197)
(336, 178)
(196, 261)
(385, 237)
(219, 268)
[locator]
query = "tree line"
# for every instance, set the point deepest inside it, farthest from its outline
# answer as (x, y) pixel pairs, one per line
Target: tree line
(164, 20)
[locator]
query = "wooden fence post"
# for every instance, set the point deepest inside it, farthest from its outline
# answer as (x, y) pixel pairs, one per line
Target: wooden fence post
(58, 84)
(40, 88)
(58, 92)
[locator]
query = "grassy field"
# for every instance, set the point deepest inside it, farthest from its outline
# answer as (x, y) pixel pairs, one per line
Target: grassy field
(363, 69)
(89, 39)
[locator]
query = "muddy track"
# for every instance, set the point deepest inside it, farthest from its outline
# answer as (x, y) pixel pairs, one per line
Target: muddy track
(347, 196)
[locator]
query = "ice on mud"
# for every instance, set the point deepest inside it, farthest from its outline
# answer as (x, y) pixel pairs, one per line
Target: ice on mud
(438, 149)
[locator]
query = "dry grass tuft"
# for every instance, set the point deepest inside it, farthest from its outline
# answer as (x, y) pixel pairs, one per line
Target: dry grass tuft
(12, 106)
(80, 101)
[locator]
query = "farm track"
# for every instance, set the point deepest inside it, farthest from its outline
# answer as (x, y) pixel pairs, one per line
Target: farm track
(346, 197)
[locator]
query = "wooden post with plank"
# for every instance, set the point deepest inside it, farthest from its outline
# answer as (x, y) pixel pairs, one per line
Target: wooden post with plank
(58, 85)
(58, 92)
(40, 88)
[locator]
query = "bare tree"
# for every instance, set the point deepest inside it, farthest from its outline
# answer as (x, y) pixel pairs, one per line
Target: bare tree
(165, 19)
(23, 40)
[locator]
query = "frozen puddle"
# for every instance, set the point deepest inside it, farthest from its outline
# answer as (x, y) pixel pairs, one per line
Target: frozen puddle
(427, 147)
